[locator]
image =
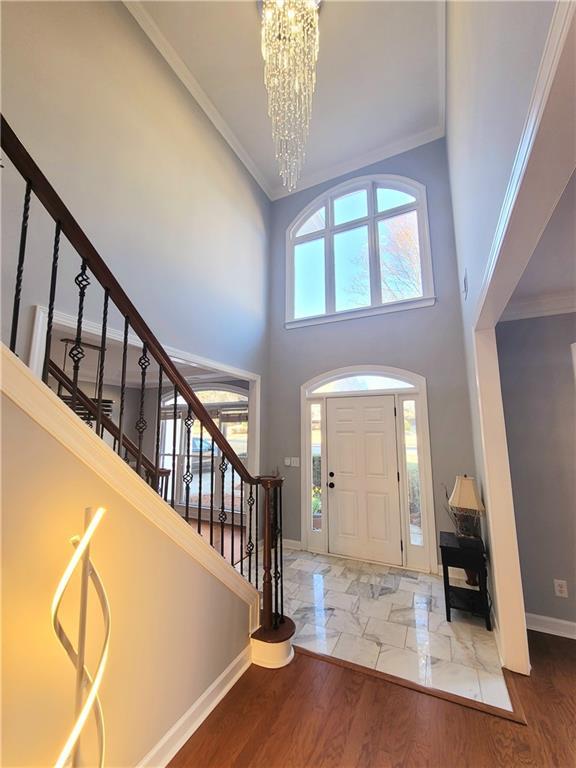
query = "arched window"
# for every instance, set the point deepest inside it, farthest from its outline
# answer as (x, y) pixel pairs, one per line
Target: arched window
(361, 248)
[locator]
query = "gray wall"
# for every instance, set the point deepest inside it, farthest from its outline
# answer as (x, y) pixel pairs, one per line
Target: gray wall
(427, 340)
(493, 54)
(537, 377)
(163, 198)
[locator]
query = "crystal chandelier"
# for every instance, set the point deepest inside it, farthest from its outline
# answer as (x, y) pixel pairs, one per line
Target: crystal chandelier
(290, 51)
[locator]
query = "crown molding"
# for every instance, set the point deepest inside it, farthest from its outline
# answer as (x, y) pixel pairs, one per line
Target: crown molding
(181, 70)
(361, 161)
(137, 9)
(559, 303)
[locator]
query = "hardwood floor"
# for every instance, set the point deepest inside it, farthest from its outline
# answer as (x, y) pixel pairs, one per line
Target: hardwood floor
(315, 714)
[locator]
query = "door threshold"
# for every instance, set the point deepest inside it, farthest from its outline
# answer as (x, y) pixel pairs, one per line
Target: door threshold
(363, 560)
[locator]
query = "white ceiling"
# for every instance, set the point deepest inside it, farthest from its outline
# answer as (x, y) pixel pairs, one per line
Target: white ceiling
(380, 79)
(548, 284)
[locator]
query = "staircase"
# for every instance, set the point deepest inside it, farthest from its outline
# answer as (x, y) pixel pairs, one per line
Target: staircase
(254, 508)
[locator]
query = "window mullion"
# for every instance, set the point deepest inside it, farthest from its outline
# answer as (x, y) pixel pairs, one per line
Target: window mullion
(330, 273)
(375, 282)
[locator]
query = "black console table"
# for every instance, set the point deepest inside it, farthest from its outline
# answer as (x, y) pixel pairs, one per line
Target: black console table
(470, 555)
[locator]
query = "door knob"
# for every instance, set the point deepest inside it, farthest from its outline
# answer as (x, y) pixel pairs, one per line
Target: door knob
(330, 485)
(331, 474)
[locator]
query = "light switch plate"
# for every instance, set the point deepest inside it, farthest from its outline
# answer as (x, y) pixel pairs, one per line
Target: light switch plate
(295, 462)
(287, 461)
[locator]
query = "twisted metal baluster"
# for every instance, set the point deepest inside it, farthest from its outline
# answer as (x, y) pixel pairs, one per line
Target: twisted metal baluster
(20, 267)
(222, 516)
(276, 573)
(123, 386)
(102, 360)
(250, 544)
(141, 424)
(77, 352)
(51, 299)
(188, 476)
(257, 532)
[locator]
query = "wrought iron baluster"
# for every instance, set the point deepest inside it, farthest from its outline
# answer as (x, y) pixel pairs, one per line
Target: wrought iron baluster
(222, 516)
(276, 574)
(281, 554)
(141, 424)
(123, 386)
(257, 533)
(212, 494)
(250, 544)
(241, 526)
(200, 479)
(102, 360)
(51, 299)
(188, 476)
(174, 422)
(77, 352)
(20, 267)
(158, 426)
(232, 562)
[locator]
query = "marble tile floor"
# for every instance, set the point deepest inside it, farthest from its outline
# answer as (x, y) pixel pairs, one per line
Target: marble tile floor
(391, 620)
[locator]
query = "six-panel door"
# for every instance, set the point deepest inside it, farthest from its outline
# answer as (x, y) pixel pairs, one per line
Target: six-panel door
(364, 502)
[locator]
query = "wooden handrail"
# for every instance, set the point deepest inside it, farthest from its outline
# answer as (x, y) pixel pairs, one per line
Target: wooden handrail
(50, 199)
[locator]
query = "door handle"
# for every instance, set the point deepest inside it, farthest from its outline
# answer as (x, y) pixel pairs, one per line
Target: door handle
(331, 485)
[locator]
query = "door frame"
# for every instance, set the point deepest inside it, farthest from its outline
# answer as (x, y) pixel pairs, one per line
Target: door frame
(424, 558)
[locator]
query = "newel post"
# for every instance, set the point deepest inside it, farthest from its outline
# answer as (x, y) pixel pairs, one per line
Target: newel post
(271, 646)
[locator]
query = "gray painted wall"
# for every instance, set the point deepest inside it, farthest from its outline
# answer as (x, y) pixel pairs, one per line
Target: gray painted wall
(493, 54)
(427, 340)
(163, 198)
(540, 409)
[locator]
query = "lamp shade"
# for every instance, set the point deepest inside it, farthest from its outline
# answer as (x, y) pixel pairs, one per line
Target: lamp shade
(465, 494)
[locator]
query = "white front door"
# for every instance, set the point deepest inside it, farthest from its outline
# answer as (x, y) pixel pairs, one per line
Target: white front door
(362, 466)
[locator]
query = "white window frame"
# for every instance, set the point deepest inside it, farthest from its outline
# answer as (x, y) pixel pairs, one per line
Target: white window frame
(420, 558)
(370, 184)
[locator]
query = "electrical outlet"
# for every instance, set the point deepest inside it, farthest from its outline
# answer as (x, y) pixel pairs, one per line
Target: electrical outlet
(560, 588)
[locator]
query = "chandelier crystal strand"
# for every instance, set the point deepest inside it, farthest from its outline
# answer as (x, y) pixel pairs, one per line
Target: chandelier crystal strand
(290, 50)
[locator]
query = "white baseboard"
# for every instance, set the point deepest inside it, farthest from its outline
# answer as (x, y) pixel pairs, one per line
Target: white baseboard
(292, 543)
(172, 741)
(551, 626)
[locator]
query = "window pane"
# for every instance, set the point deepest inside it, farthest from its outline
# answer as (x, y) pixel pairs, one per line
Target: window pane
(352, 269)
(309, 291)
(314, 223)
(316, 442)
(362, 383)
(412, 473)
(220, 396)
(352, 206)
(386, 199)
(399, 257)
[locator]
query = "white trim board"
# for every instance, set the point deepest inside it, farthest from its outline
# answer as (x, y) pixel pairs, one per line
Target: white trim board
(30, 394)
(138, 10)
(551, 626)
(175, 738)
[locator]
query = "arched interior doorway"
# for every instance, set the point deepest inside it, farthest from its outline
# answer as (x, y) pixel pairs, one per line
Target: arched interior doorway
(366, 473)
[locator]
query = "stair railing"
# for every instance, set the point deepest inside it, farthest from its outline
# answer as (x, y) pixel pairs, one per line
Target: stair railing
(235, 507)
